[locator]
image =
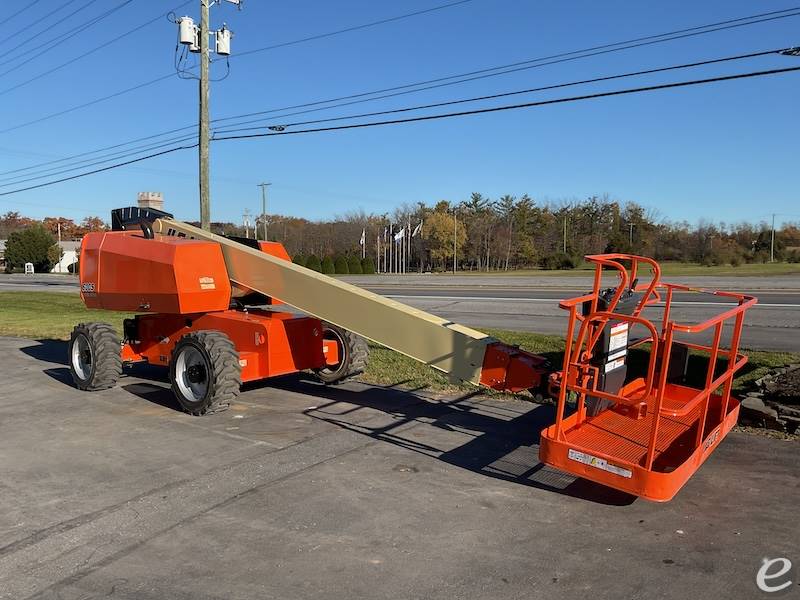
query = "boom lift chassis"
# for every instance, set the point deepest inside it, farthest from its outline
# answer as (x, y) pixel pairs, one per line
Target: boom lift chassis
(209, 309)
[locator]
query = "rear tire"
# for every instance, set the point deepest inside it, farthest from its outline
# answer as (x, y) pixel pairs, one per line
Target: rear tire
(95, 361)
(353, 355)
(205, 372)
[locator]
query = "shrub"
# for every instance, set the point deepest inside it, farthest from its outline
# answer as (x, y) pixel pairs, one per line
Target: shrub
(34, 245)
(327, 266)
(367, 266)
(354, 265)
(299, 260)
(54, 254)
(340, 265)
(559, 260)
(312, 262)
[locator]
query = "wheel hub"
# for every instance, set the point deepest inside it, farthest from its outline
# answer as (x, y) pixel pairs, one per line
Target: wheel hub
(82, 357)
(191, 374)
(196, 373)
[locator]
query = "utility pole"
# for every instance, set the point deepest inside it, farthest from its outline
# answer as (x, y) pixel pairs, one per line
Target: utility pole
(196, 39)
(263, 187)
(772, 241)
(455, 229)
(630, 236)
(205, 192)
(565, 234)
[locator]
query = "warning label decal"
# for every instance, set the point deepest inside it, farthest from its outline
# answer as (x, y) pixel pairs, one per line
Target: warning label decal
(599, 463)
(619, 337)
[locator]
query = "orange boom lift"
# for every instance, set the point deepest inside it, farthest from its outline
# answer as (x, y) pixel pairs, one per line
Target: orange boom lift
(217, 312)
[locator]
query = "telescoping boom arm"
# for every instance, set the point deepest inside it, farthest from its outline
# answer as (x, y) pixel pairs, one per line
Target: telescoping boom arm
(461, 352)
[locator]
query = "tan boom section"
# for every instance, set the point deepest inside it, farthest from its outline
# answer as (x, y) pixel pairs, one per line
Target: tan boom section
(457, 350)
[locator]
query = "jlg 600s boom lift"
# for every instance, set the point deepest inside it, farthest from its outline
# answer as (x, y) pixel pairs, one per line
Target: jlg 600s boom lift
(209, 309)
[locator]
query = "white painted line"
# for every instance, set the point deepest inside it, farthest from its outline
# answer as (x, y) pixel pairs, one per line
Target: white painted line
(555, 301)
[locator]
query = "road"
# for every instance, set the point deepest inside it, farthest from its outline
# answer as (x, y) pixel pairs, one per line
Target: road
(347, 493)
(531, 303)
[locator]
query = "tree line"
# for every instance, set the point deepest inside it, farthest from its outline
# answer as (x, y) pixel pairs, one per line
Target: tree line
(485, 234)
(520, 233)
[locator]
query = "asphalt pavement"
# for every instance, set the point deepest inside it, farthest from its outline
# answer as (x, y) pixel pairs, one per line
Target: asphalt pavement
(530, 303)
(304, 491)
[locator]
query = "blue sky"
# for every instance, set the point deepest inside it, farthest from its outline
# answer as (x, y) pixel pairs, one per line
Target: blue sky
(724, 152)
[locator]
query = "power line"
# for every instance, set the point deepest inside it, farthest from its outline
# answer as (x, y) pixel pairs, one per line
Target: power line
(116, 155)
(47, 29)
(32, 175)
(353, 28)
(21, 10)
(92, 50)
(649, 88)
(86, 104)
(95, 171)
(65, 37)
(64, 159)
(710, 28)
(525, 91)
(48, 16)
(170, 75)
(16, 179)
(678, 84)
(363, 94)
(553, 59)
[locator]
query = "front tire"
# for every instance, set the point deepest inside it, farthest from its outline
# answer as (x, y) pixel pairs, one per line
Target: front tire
(353, 355)
(95, 361)
(205, 372)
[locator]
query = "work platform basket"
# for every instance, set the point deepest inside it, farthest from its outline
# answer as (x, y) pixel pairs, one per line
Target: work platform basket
(643, 433)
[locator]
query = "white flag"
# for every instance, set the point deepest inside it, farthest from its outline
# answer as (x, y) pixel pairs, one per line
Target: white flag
(363, 239)
(400, 235)
(385, 233)
(417, 229)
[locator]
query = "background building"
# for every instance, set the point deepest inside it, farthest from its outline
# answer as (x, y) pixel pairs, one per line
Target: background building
(151, 200)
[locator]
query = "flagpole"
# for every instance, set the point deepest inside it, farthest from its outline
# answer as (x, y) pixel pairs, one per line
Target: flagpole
(391, 243)
(408, 244)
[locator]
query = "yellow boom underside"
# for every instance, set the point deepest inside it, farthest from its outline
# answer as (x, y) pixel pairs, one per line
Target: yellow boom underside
(451, 348)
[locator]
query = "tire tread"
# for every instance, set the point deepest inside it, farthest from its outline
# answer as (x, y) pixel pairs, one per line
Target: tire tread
(227, 374)
(107, 358)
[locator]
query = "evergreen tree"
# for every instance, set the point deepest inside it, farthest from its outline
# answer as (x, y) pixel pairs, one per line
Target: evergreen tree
(354, 265)
(367, 266)
(313, 263)
(340, 265)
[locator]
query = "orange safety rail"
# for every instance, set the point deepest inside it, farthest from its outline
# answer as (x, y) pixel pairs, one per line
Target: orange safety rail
(656, 433)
